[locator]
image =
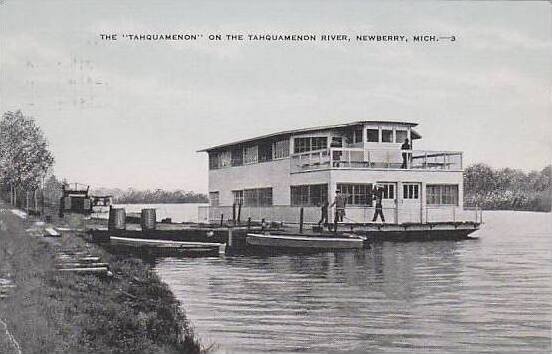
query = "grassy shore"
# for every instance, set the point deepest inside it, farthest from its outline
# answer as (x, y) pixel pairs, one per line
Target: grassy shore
(50, 312)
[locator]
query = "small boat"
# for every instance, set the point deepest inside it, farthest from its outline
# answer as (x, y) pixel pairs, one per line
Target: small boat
(168, 247)
(305, 241)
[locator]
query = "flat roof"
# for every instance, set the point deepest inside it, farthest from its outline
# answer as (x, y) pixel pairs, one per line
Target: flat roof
(312, 129)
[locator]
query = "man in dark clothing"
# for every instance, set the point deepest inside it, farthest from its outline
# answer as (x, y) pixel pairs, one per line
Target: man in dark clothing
(339, 203)
(377, 194)
(324, 217)
(405, 155)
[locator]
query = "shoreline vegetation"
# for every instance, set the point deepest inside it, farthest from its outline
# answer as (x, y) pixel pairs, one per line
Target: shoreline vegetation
(507, 188)
(157, 196)
(46, 311)
(132, 311)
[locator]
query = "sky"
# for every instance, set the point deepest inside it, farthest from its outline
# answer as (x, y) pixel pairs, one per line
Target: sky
(134, 113)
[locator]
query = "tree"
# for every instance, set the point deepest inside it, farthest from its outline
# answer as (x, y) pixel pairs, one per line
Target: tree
(24, 155)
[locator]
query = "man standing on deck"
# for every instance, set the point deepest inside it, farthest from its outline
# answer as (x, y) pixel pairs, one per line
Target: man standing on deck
(339, 202)
(324, 217)
(405, 155)
(378, 196)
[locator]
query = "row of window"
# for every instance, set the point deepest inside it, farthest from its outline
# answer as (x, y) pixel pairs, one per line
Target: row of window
(356, 194)
(238, 156)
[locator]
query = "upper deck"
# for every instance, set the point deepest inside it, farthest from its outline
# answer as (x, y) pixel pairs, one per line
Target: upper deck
(357, 145)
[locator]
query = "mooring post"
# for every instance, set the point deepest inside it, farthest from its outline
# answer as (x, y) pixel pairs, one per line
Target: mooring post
(301, 220)
(239, 212)
(234, 213)
(221, 219)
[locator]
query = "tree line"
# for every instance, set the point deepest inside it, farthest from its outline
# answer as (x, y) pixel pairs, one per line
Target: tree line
(25, 158)
(157, 196)
(507, 188)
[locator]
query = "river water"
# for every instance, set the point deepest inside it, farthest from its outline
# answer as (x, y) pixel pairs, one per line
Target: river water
(493, 294)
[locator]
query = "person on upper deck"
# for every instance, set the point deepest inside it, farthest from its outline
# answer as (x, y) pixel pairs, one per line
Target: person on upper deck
(406, 155)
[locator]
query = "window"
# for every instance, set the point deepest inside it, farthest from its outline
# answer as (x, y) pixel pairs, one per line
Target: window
(237, 156)
(357, 135)
(386, 136)
(442, 194)
(357, 194)
(238, 197)
(388, 190)
(281, 149)
(310, 144)
(257, 197)
(250, 154)
(411, 191)
(319, 143)
(309, 195)
(214, 160)
(400, 136)
(372, 135)
(337, 142)
(225, 159)
(265, 152)
(214, 199)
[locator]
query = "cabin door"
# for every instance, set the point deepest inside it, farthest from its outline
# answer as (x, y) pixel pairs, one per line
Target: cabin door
(410, 208)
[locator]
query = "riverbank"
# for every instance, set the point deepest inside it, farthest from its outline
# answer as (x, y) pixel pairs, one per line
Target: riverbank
(48, 311)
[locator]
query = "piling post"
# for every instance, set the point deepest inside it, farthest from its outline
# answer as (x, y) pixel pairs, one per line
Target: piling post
(230, 237)
(301, 220)
(221, 219)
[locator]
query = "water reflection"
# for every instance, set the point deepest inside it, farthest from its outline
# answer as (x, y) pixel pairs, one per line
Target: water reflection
(428, 296)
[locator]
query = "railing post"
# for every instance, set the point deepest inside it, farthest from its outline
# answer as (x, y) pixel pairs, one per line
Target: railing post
(234, 213)
(221, 219)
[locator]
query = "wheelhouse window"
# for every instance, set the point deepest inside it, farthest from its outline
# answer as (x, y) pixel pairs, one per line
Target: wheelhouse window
(357, 194)
(214, 199)
(281, 149)
(400, 136)
(309, 195)
(214, 160)
(250, 154)
(337, 142)
(442, 194)
(372, 135)
(238, 197)
(357, 135)
(386, 135)
(310, 144)
(257, 197)
(237, 156)
(411, 191)
(225, 159)
(265, 152)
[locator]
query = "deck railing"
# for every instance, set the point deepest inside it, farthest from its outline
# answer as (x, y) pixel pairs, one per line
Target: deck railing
(354, 214)
(376, 159)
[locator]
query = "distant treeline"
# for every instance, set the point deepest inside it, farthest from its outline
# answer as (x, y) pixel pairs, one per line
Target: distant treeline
(507, 189)
(158, 196)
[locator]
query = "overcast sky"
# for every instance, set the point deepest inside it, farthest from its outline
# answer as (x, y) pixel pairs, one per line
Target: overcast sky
(121, 113)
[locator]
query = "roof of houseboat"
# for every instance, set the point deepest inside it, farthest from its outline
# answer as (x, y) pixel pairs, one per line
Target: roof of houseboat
(415, 135)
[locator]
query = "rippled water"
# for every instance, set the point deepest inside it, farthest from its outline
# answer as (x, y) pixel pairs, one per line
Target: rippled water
(489, 295)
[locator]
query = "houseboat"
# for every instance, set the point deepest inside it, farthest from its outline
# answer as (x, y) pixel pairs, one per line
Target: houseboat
(287, 176)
